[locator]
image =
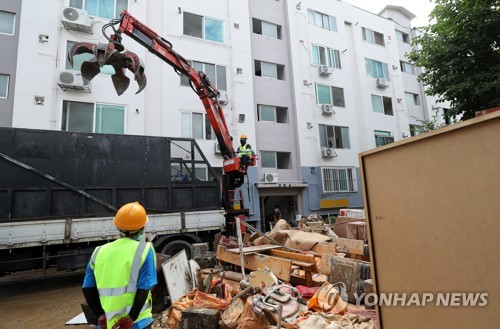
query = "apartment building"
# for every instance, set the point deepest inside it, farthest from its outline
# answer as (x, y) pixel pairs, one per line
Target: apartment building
(312, 84)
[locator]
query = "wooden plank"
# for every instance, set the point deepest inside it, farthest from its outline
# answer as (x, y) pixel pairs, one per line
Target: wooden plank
(350, 246)
(328, 248)
(302, 260)
(254, 249)
(279, 266)
(325, 265)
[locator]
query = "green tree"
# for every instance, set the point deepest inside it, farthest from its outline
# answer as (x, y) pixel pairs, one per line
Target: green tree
(460, 55)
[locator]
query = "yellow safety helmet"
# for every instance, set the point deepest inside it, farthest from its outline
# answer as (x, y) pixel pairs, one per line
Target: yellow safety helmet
(130, 217)
(244, 136)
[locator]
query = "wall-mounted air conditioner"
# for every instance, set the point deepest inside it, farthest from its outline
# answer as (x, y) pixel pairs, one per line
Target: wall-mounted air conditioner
(72, 80)
(382, 83)
(76, 19)
(216, 148)
(270, 177)
(325, 70)
(327, 109)
(223, 98)
(328, 153)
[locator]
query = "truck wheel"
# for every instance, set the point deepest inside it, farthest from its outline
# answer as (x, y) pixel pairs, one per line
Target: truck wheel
(173, 247)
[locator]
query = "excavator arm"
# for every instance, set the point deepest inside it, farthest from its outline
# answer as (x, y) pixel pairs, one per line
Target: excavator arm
(113, 53)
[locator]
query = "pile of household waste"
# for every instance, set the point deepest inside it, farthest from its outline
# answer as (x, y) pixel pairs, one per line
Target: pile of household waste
(304, 277)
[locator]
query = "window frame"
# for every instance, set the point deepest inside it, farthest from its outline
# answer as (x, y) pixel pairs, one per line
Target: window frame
(14, 16)
(65, 123)
(372, 39)
(387, 136)
(204, 27)
(369, 65)
(415, 98)
(204, 125)
(275, 110)
(344, 131)
(401, 36)
(333, 183)
(313, 14)
(279, 29)
(407, 68)
(331, 95)
(331, 56)
(115, 2)
(216, 82)
(276, 160)
(6, 86)
(279, 70)
(383, 100)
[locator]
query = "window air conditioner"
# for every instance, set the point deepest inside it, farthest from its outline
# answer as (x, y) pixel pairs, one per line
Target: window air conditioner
(327, 109)
(76, 19)
(223, 98)
(72, 80)
(270, 177)
(217, 148)
(325, 70)
(328, 153)
(382, 83)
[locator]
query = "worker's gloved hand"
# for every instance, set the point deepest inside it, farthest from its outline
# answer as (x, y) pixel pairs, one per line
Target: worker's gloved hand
(124, 323)
(102, 322)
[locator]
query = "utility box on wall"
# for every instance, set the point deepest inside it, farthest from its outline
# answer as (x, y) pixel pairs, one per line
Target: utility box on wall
(433, 213)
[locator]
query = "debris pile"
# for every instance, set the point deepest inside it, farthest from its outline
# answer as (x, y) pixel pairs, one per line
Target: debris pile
(303, 277)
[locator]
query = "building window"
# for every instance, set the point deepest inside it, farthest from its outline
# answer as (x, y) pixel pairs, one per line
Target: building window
(275, 160)
(93, 117)
(330, 95)
(215, 73)
(7, 22)
(79, 59)
(382, 104)
(383, 138)
(334, 136)
(414, 130)
(407, 67)
(266, 28)
(270, 70)
(4, 86)
(376, 69)
(196, 125)
(326, 56)
(373, 37)
(403, 37)
(322, 20)
(272, 113)
(101, 8)
(203, 27)
(412, 99)
(339, 179)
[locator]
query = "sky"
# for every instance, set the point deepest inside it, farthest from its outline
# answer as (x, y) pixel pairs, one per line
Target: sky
(421, 8)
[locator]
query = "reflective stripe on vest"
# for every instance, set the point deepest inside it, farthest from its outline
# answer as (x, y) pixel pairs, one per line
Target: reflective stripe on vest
(243, 150)
(116, 269)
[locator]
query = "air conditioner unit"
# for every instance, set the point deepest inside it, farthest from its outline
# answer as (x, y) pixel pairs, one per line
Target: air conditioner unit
(328, 153)
(382, 83)
(327, 109)
(216, 148)
(270, 177)
(325, 70)
(224, 98)
(76, 19)
(72, 80)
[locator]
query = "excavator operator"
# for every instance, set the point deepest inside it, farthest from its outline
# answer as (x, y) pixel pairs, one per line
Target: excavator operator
(244, 152)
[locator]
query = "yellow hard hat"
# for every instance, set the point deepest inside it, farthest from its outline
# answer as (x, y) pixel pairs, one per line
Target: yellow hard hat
(244, 136)
(130, 217)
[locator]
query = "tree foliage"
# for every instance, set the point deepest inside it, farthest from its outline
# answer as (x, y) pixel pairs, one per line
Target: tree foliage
(460, 55)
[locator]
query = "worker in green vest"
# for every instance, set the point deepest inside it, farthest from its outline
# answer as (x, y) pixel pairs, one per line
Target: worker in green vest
(121, 274)
(244, 152)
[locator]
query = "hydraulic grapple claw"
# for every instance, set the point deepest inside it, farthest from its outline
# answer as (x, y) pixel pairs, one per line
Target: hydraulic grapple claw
(110, 54)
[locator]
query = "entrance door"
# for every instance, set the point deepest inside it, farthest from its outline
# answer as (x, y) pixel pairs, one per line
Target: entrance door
(287, 205)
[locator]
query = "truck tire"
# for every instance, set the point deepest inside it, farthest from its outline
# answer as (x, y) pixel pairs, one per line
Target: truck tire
(175, 246)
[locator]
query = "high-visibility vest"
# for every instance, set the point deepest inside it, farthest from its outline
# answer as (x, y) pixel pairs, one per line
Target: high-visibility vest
(245, 149)
(116, 268)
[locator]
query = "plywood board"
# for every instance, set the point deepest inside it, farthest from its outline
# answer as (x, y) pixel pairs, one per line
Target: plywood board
(328, 248)
(433, 215)
(280, 267)
(350, 246)
(254, 249)
(177, 275)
